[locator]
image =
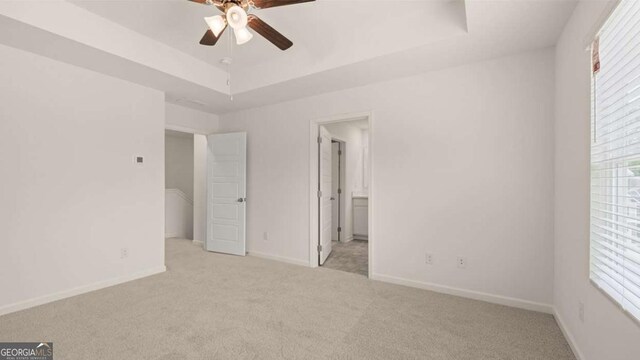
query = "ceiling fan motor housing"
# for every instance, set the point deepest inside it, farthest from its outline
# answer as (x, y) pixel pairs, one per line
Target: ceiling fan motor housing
(236, 16)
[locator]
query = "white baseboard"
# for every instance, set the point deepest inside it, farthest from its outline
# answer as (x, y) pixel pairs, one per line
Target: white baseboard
(279, 258)
(199, 243)
(347, 239)
(567, 335)
(470, 294)
(6, 309)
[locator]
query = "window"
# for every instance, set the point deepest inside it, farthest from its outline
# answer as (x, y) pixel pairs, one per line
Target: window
(615, 158)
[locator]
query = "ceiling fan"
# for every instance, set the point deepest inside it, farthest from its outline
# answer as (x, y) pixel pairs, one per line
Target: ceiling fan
(236, 15)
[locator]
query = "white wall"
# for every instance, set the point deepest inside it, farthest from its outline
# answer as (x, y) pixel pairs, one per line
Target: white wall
(178, 152)
(189, 120)
(352, 136)
(472, 180)
(178, 215)
(606, 332)
(71, 196)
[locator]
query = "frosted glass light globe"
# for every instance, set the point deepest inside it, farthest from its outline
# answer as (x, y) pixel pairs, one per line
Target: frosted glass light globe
(242, 35)
(216, 24)
(236, 17)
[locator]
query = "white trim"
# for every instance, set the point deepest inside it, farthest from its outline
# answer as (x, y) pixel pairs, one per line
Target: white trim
(342, 221)
(173, 236)
(22, 305)
(183, 129)
(278, 258)
(347, 239)
(370, 198)
(567, 335)
(615, 302)
(597, 26)
(469, 294)
(314, 125)
(198, 243)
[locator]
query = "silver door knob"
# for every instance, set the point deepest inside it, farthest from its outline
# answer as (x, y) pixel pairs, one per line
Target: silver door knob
(332, 198)
(240, 200)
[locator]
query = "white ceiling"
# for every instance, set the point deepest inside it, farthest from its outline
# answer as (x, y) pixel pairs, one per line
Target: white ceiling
(337, 43)
(348, 27)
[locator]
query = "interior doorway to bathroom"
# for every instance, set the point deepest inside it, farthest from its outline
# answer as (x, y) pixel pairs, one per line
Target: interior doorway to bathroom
(343, 195)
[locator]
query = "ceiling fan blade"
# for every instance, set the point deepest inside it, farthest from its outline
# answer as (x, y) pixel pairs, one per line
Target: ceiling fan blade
(269, 33)
(209, 39)
(263, 4)
(208, 2)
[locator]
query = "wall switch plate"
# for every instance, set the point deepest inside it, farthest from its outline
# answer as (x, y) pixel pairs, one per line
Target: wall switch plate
(581, 311)
(428, 259)
(265, 236)
(124, 253)
(461, 262)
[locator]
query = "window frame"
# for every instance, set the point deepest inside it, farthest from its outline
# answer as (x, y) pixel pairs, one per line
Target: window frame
(592, 141)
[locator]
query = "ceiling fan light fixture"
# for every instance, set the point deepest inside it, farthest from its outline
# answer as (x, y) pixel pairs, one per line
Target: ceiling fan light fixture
(242, 35)
(236, 17)
(216, 24)
(235, 14)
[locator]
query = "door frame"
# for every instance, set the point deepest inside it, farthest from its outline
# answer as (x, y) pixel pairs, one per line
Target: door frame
(199, 181)
(341, 180)
(314, 131)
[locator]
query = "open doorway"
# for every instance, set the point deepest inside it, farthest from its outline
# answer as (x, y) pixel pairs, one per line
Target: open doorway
(186, 164)
(343, 195)
(179, 184)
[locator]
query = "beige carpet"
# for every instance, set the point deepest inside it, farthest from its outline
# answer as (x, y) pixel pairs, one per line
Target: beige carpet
(211, 306)
(352, 256)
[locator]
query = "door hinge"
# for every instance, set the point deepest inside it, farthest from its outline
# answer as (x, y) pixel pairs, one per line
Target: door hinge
(319, 248)
(339, 152)
(319, 139)
(339, 229)
(319, 193)
(339, 191)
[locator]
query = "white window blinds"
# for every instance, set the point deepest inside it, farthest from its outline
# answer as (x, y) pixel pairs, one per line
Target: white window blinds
(615, 159)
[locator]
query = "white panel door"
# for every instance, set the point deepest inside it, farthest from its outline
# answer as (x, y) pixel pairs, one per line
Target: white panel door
(324, 183)
(226, 193)
(335, 185)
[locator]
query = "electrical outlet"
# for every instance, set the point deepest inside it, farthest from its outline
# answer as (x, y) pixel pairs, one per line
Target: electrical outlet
(265, 236)
(462, 262)
(428, 259)
(581, 311)
(124, 253)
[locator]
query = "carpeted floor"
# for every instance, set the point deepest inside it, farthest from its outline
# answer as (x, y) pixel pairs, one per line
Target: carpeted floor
(352, 256)
(212, 306)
